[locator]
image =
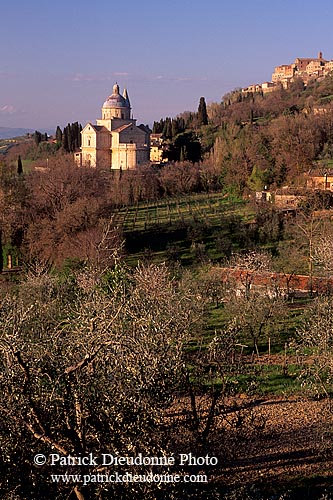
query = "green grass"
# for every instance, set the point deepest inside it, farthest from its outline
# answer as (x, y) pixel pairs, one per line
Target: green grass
(278, 380)
(27, 164)
(188, 229)
(261, 380)
(179, 212)
(216, 319)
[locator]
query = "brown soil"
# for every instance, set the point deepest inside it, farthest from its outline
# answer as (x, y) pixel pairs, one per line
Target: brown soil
(293, 443)
(281, 442)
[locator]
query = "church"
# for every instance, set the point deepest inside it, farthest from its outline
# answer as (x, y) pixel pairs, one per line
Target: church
(115, 142)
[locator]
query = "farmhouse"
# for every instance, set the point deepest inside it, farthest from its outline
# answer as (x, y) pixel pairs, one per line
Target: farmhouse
(265, 282)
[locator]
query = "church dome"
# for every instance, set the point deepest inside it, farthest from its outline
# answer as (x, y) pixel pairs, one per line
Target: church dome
(115, 100)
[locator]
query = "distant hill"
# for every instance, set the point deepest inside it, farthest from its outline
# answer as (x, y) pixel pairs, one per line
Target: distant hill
(9, 133)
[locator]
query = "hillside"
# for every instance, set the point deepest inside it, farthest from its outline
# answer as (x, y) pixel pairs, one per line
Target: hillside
(256, 139)
(9, 133)
(270, 140)
(122, 327)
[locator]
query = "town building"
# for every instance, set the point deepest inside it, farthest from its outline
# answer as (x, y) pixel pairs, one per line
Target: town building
(267, 87)
(305, 68)
(157, 149)
(115, 142)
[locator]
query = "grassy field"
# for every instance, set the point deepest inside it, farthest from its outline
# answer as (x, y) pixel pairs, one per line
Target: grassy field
(201, 228)
(184, 210)
(196, 230)
(189, 229)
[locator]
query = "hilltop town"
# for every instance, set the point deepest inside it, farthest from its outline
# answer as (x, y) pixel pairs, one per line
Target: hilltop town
(305, 68)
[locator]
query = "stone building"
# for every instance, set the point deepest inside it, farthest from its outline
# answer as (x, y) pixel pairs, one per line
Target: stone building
(157, 148)
(304, 68)
(318, 180)
(115, 142)
(282, 72)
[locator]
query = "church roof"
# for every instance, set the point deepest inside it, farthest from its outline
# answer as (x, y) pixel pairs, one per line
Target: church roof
(96, 128)
(123, 127)
(115, 100)
(100, 128)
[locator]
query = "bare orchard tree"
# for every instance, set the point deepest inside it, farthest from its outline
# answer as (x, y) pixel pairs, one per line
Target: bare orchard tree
(315, 350)
(252, 261)
(257, 313)
(323, 254)
(211, 285)
(311, 228)
(315, 341)
(248, 264)
(255, 309)
(89, 367)
(209, 384)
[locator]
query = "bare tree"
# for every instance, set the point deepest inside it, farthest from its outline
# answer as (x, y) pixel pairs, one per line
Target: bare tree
(257, 314)
(315, 341)
(252, 261)
(322, 253)
(89, 366)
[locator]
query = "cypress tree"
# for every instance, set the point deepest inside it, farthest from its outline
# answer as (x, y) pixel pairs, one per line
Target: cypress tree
(59, 135)
(202, 112)
(65, 143)
(71, 137)
(37, 137)
(174, 127)
(183, 155)
(167, 131)
(76, 136)
(157, 129)
(19, 166)
(181, 124)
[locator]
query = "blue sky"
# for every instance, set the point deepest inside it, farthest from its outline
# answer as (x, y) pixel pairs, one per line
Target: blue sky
(59, 60)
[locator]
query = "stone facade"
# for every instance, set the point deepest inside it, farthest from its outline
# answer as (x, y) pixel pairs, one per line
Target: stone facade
(320, 181)
(115, 142)
(304, 68)
(157, 148)
(281, 72)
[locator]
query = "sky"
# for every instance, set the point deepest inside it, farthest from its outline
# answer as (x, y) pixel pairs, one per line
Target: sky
(59, 60)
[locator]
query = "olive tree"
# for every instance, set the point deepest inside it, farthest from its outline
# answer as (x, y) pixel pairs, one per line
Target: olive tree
(315, 350)
(256, 309)
(88, 366)
(315, 342)
(257, 314)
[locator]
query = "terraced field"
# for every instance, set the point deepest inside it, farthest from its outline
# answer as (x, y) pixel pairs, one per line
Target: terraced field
(183, 228)
(184, 210)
